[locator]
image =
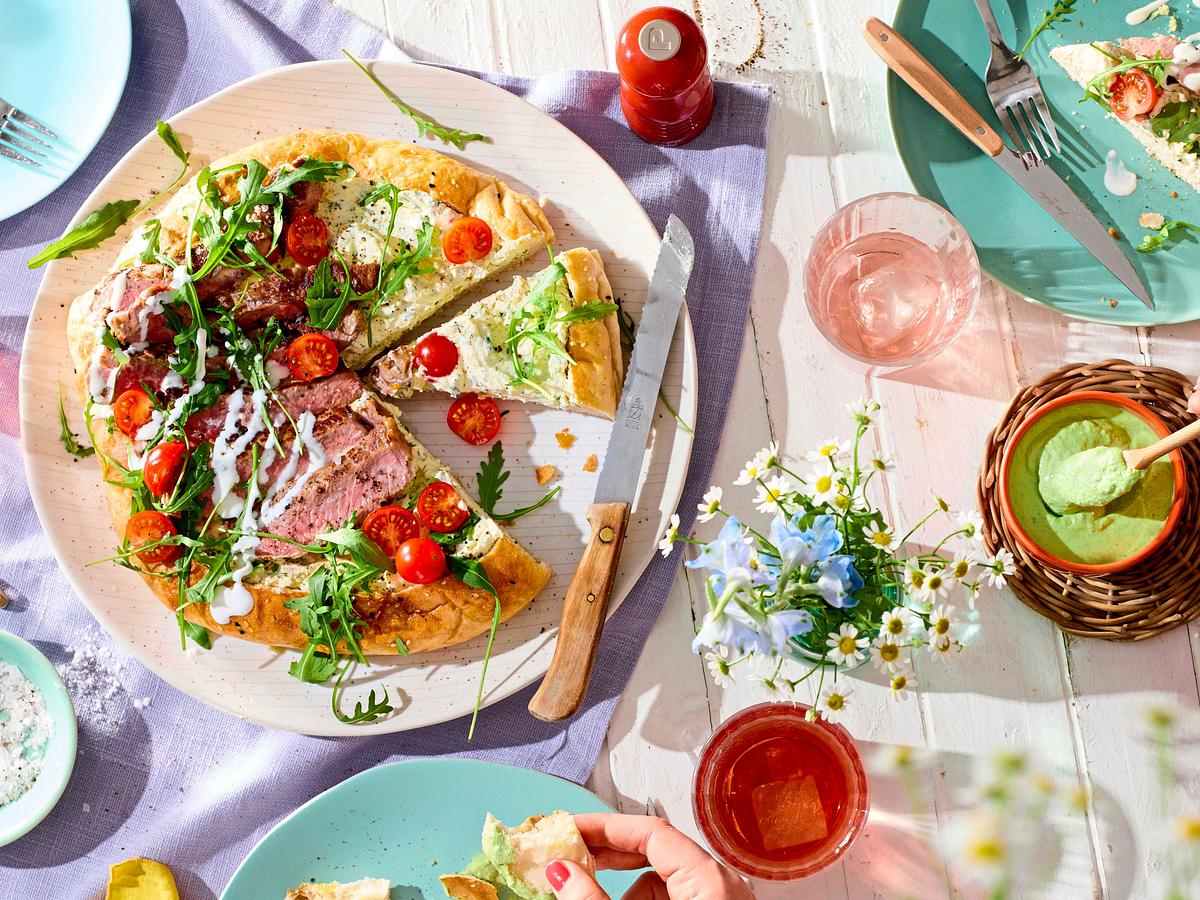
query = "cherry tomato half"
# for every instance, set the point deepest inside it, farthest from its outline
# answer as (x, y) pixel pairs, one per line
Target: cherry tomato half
(312, 356)
(435, 355)
(473, 418)
(1134, 93)
(147, 527)
(132, 410)
(440, 508)
(308, 240)
(466, 240)
(391, 526)
(420, 561)
(163, 466)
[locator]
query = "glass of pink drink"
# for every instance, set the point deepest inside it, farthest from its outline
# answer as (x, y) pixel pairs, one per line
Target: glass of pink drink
(891, 279)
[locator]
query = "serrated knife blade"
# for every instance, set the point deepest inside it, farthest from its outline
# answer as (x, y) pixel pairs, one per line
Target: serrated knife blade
(586, 603)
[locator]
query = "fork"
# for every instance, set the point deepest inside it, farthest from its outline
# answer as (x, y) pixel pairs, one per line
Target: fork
(20, 132)
(1015, 93)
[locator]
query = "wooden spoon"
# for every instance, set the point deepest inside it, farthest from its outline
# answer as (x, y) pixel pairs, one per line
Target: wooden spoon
(1141, 459)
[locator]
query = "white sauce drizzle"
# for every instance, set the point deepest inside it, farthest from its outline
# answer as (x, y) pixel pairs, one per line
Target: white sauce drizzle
(197, 384)
(272, 509)
(1142, 13)
(1118, 180)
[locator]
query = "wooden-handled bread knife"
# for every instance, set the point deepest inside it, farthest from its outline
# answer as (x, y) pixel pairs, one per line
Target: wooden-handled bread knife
(586, 604)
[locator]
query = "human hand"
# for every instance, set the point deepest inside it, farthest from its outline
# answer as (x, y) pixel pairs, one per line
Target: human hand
(682, 869)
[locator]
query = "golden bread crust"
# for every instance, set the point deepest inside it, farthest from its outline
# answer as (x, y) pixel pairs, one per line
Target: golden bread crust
(597, 375)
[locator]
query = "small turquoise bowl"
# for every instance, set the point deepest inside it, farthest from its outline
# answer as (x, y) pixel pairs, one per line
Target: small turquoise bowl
(30, 808)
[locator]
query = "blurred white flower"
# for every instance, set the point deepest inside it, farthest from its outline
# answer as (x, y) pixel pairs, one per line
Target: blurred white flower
(769, 494)
(709, 504)
(901, 683)
(863, 411)
(668, 538)
(887, 655)
(833, 702)
(998, 568)
(845, 645)
(880, 536)
(971, 524)
(718, 666)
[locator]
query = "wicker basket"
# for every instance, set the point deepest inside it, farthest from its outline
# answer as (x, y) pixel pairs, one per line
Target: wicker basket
(1154, 596)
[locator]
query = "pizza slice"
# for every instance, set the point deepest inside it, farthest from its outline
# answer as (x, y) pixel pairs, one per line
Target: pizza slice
(1152, 87)
(388, 234)
(551, 339)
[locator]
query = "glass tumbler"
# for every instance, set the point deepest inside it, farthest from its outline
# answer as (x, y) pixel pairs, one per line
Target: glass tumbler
(891, 279)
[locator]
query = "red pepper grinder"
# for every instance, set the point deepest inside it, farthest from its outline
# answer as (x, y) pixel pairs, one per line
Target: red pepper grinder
(666, 90)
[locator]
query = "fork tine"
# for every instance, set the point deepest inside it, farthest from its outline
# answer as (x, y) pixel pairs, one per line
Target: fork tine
(9, 138)
(1047, 120)
(26, 119)
(1008, 126)
(1028, 108)
(13, 154)
(1015, 112)
(15, 127)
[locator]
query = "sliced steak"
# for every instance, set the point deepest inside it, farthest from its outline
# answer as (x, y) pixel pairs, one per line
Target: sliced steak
(131, 295)
(221, 280)
(339, 389)
(374, 470)
(142, 370)
(1158, 46)
(306, 196)
(337, 430)
(392, 373)
(272, 297)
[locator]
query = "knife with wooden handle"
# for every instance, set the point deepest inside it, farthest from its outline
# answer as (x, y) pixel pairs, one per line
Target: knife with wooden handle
(585, 606)
(1040, 181)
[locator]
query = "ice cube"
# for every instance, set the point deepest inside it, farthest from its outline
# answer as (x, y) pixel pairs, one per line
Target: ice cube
(789, 812)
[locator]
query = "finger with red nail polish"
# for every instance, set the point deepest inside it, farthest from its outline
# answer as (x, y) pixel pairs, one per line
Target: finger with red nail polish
(572, 882)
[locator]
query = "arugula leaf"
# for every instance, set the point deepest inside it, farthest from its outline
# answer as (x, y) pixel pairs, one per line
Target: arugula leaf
(99, 225)
(1178, 123)
(198, 633)
(1057, 14)
(425, 125)
(325, 301)
(1165, 237)
(70, 444)
(152, 229)
(168, 136)
(471, 573)
(402, 648)
(395, 271)
(487, 657)
(109, 340)
(490, 480)
(373, 710)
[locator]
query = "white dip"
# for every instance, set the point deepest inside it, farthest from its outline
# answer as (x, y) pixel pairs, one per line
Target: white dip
(1118, 179)
(25, 727)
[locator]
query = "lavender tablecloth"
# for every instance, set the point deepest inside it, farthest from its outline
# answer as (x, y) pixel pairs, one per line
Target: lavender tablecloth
(161, 775)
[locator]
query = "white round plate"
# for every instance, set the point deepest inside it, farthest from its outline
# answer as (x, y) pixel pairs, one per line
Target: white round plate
(587, 204)
(66, 65)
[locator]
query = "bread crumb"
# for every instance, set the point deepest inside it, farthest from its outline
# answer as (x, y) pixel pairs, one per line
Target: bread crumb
(545, 474)
(1174, 195)
(1152, 220)
(565, 439)
(591, 464)
(1115, 234)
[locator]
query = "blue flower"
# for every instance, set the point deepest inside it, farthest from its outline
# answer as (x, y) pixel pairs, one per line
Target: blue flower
(732, 561)
(805, 547)
(837, 580)
(730, 627)
(781, 627)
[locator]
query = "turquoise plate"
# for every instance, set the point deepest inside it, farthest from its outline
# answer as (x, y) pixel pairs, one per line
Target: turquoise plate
(64, 62)
(35, 804)
(408, 822)
(1019, 244)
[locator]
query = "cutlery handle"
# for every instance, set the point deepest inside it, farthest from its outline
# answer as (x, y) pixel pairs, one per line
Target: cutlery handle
(584, 609)
(1141, 459)
(990, 25)
(903, 59)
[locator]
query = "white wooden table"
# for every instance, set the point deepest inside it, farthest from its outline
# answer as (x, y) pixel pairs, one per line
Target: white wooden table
(1022, 682)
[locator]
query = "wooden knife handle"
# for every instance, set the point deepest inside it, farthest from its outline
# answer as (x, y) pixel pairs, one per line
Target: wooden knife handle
(903, 59)
(584, 610)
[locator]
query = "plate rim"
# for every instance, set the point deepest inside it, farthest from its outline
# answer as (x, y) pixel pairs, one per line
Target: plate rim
(125, 61)
(894, 83)
(516, 681)
(450, 762)
(47, 671)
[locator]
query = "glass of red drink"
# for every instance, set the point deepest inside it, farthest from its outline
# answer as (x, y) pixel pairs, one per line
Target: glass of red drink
(777, 796)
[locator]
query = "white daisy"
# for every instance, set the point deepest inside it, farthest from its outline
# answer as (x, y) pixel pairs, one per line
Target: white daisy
(822, 487)
(845, 645)
(936, 583)
(888, 656)
(998, 568)
(914, 581)
(970, 523)
(768, 456)
(833, 702)
(943, 650)
(901, 682)
(863, 411)
(769, 494)
(972, 589)
(897, 623)
(718, 666)
(960, 567)
(894, 759)
(830, 450)
(709, 504)
(760, 466)
(879, 535)
(881, 462)
(943, 629)
(668, 538)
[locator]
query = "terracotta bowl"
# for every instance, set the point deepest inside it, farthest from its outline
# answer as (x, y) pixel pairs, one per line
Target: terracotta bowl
(1055, 562)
